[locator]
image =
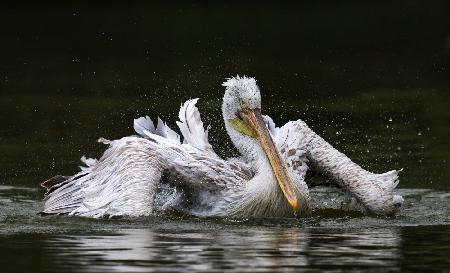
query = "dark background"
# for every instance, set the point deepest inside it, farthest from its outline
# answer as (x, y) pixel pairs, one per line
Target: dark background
(372, 78)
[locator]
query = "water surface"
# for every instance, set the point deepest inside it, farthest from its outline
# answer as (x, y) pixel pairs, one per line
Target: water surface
(416, 239)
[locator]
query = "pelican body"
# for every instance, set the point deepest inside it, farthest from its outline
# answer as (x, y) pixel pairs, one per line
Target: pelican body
(267, 180)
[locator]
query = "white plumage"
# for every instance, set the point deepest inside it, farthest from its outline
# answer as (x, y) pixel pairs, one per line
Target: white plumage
(265, 181)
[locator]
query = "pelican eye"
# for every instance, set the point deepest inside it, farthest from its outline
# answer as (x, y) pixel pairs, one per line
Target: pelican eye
(238, 115)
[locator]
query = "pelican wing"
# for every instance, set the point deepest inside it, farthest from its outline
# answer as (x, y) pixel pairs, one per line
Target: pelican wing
(374, 191)
(198, 167)
(121, 182)
(193, 159)
(292, 146)
(199, 172)
(201, 177)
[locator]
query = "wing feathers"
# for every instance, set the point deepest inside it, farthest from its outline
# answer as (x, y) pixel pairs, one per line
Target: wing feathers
(191, 127)
(122, 182)
(144, 125)
(190, 124)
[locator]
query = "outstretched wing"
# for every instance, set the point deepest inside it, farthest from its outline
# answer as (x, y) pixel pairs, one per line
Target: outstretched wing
(374, 191)
(121, 182)
(197, 169)
(124, 180)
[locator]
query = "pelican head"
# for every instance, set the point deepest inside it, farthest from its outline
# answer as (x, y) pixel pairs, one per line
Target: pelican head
(247, 128)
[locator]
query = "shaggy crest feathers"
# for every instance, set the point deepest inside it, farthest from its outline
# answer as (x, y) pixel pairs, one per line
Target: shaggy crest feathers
(240, 82)
(240, 92)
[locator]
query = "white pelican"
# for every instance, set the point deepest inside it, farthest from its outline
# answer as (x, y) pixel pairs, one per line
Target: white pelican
(266, 181)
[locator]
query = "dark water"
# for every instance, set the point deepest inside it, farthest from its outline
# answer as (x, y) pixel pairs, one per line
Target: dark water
(417, 239)
(373, 79)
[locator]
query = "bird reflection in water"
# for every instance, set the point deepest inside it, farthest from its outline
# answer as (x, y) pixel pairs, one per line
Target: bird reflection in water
(249, 249)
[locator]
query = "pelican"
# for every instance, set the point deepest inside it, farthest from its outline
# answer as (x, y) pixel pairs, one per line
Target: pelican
(266, 180)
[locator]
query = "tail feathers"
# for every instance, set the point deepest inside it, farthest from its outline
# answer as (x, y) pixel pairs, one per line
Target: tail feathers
(191, 127)
(121, 183)
(64, 199)
(68, 195)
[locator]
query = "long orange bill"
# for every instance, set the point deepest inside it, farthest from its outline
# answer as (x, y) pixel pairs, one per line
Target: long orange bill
(255, 121)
